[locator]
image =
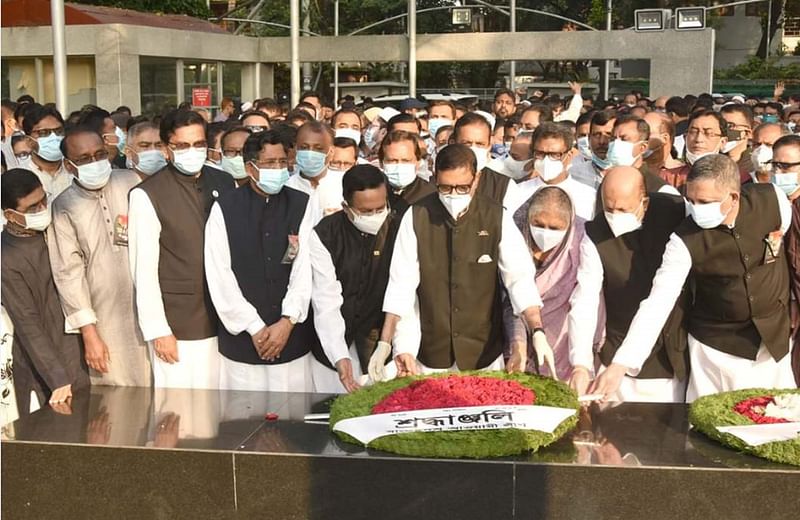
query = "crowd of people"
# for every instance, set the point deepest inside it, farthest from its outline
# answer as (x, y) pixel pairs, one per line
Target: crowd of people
(638, 249)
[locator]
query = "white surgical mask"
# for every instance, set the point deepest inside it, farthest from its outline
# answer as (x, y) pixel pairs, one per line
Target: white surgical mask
(730, 145)
(787, 182)
(621, 223)
(620, 153)
(38, 221)
(436, 123)
(547, 239)
(548, 168)
(455, 204)
(400, 175)
(482, 154)
(762, 155)
(370, 224)
(349, 133)
(709, 215)
(692, 158)
(148, 161)
(234, 166)
(189, 161)
(583, 146)
(94, 175)
(515, 168)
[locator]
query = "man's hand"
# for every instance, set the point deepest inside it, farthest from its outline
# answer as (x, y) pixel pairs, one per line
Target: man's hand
(544, 353)
(607, 383)
(780, 86)
(406, 365)
(97, 356)
(377, 362)
(345, 369)
(579, 379)
(278, 336)
(166, 349)
(260, 340)
(61, 395)
(575, 87)
(519, 358)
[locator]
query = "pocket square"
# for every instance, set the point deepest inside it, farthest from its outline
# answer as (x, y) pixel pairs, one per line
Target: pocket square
(485, 259)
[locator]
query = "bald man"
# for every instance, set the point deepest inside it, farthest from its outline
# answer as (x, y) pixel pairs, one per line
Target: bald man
(764, 137)
(619, 256)
(658, 157)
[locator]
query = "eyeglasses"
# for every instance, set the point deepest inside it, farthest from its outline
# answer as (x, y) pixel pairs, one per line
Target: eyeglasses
(88, 159)
(553, 156)
(271, 164)
(45, 132)
(231, 152)
(341, 165)
(459, 189)
(707, 132)
(186, 146)
(783, 166)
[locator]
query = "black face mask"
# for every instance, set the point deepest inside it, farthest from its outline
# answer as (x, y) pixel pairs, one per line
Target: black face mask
(735, 135)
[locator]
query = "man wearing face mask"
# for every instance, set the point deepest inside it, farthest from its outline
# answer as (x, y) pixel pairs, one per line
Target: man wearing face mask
(450, 318)
(764, 137)
(517, 164)
(399, 155)
(144, 151)
(600, 135)
(45, 126)
(47, 362)
(658, 157)
(232, 144)
(347, 123)
(739, 119)
(706, 135)
(631, 138)
(619, 256)
(582, 127)
(786, 168)
(88, 245)
(440, 114)
(350, 256)
(314, 151)
(166, 222)
(259, 275)
(552, 149)
(730, 248)
(214, 133)
(474, 131)
(100, 121)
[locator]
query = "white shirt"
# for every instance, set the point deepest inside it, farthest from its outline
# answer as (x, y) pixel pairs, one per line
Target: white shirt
(586, 173)
(583, 197)
(327, 299)
(669, 279)
(515, 264)
(53, 184)
(144, 230)
(584, 303)
(573, 110)
(234, 311)
(326, 196)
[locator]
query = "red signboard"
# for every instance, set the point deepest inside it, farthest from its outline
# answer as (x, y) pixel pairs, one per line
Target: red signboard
(201, 97)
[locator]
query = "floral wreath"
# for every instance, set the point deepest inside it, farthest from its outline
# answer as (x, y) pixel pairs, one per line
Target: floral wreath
(746, 407)
(451, 390)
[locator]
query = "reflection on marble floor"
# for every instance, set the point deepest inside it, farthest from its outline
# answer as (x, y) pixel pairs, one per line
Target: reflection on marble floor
(628, 434)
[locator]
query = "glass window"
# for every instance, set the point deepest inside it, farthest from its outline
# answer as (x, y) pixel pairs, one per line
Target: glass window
(158, 83)
(232, 81)
(198, 74)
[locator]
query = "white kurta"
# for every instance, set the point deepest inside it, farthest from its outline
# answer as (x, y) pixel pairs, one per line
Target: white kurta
(515, 265)
(712, 371)
(53, 184)
(239, 315)
(326, 196)
(198, 365)
(583, 197)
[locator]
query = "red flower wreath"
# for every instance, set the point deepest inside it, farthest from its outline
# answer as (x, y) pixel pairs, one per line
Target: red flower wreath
(754, 408)
(455, 391)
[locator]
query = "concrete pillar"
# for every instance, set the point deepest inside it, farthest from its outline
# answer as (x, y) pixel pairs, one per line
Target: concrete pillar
(258, 81)
(116, 71)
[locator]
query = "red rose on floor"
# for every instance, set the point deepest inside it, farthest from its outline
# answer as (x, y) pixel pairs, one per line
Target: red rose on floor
(455, 391)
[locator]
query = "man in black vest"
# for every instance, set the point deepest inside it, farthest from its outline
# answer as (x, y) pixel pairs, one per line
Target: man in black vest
(731, 249)
(399, 155)
(443, 299)
(166, 218)
(474, 131)
(619, 256)
(259, 274)
(350, 255)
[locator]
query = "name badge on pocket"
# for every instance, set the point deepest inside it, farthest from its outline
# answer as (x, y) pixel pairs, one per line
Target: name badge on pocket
(291, 249)
(121, 230)
(485, 259)
(772, 246)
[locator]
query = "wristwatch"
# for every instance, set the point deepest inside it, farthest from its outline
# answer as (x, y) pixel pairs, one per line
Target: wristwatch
(291, 319)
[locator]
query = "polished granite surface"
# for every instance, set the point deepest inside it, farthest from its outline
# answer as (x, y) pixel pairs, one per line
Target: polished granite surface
(629, 434)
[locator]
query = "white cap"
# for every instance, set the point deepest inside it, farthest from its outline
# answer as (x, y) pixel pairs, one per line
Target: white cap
(387, 113)
(247, 106)
(737, 99)
(487, 116)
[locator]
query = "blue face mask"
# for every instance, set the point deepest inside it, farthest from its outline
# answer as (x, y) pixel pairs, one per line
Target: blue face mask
(769, 118)
(272, 180)
(150, 161)
(499, 151)
(436, 123)
(50, 147)
(603, 164)
(120, 139)
(787, 182)
(311, 163)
